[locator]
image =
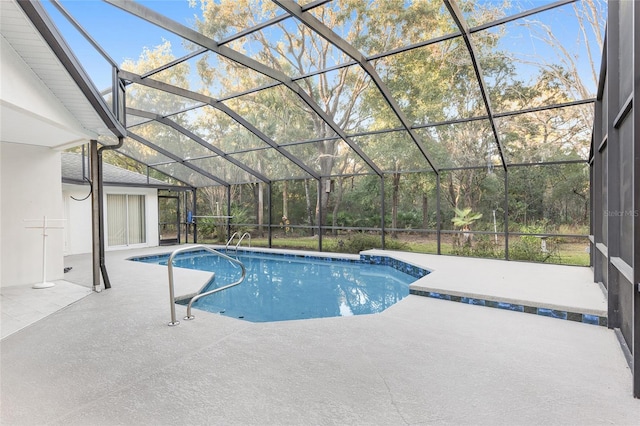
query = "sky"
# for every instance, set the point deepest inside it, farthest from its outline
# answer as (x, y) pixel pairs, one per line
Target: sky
(120, 34)
(114, 28)
(124, 36)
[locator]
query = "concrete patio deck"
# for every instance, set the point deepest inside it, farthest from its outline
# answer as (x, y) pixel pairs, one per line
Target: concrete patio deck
(531, 285)
(109, 358)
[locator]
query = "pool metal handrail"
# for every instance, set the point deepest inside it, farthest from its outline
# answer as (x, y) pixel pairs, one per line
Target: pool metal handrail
(198, 296)
(246, 234)
(226, 247)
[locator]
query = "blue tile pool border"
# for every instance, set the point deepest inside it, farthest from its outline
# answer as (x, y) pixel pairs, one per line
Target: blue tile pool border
(407, 268)
(546, 312)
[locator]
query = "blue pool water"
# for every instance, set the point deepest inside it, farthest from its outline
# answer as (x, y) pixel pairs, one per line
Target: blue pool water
(279, 287)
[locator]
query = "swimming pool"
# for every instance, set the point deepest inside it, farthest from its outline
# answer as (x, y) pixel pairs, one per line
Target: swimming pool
(280, 287)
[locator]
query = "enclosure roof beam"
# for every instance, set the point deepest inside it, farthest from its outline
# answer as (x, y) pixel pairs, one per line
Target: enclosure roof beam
(213, 148)
(549, 163)
(229, 39)
(402, 49)
(504, 114)
(173, 63)
(270, 22)
(520, 15)
(347, 64)
(177, 159)
(198, 139)
(265, 24)
(266, 139)
(156, 169)
(158, 85)
(218, 104)
(85, 34)
(309, 74)
(457, 16)
(187, 33)
(226, 40)
(325, 32)
(38, 16)
(167, 186)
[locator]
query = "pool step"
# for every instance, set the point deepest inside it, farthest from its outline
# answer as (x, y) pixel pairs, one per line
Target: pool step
(186, 298)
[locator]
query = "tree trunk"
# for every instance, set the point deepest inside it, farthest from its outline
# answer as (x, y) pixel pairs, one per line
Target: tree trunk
(425, 212)
(453, 192)
(285, 198)
(260, 209)
(336, 207)
(323, 201)
(308, 200)
(327, 151)
(394, 203)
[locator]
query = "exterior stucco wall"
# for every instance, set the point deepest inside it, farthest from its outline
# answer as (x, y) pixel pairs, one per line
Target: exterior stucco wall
(31, 188)
(78, 214)
(33, 120)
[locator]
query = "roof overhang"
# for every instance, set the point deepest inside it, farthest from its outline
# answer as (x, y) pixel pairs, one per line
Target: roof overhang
(40, 104)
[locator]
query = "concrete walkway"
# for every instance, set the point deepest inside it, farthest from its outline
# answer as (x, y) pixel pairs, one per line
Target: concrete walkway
(22, 305)
(109, 358)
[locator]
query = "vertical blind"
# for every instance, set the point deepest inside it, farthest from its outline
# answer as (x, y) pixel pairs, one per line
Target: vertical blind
(136, 222)
(125, 219)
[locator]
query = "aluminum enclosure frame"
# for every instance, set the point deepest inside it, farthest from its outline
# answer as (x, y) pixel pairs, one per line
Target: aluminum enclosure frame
(613, 266)
(615, 175)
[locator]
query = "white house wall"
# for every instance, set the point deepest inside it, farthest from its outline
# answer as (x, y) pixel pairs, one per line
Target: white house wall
(32, 120)
(30, 180)
(1, 201)
(78, 234)
(78, 214)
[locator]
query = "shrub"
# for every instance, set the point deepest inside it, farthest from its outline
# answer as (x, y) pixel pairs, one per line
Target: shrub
(206, 228)
(410, 220)
(210, 228)
(529, 247)
(240, 217)
(483, 246)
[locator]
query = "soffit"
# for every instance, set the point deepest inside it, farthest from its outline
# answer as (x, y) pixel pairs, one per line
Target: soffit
(27, 42)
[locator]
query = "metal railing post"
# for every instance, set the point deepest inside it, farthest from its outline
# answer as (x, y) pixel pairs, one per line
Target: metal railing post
(198, 296)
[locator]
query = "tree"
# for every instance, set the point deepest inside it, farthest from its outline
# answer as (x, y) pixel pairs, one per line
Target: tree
(280, 114)
(163, 103)
(345, 95)
(150, 100)
(430, 84)
(565, 74)
(463, 219)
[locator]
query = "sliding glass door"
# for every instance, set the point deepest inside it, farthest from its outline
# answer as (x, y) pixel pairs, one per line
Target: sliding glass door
(126, 220)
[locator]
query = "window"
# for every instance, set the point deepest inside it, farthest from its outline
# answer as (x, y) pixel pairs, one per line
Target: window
(126, 220)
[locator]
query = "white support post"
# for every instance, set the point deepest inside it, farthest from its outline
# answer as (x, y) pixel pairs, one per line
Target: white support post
(45, 225)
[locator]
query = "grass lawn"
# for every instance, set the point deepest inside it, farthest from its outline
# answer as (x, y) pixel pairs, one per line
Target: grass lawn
(570, 252)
